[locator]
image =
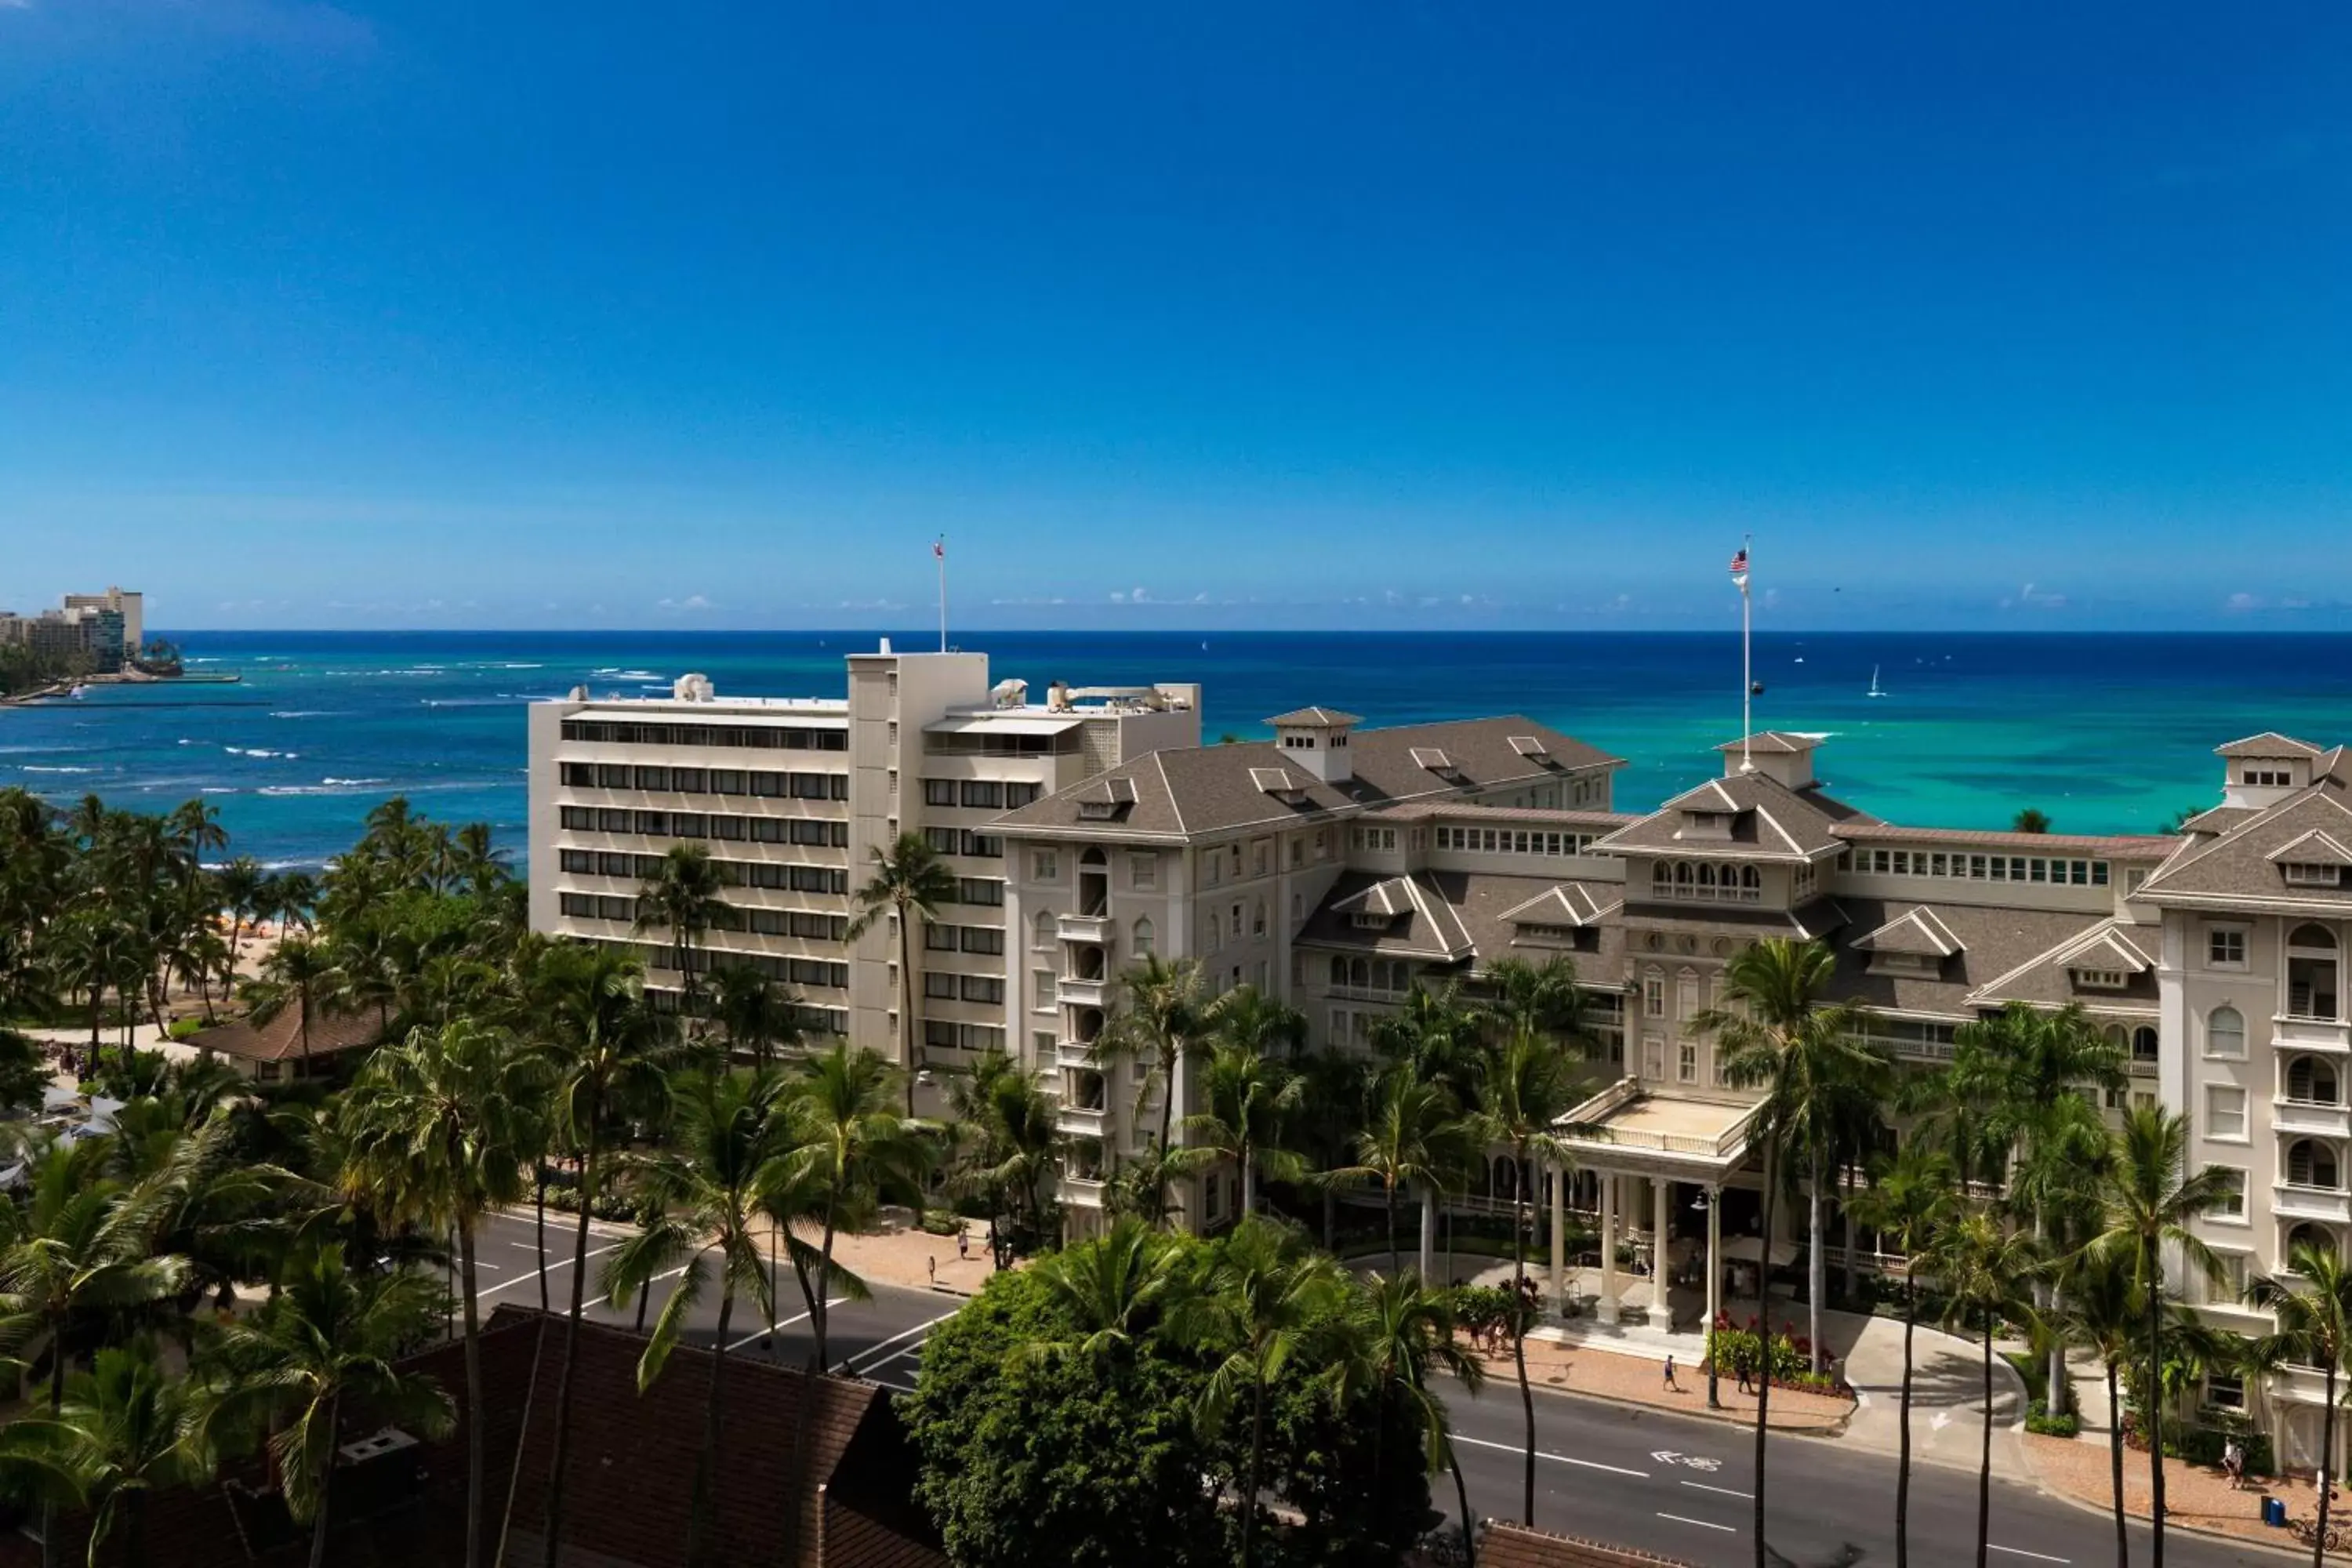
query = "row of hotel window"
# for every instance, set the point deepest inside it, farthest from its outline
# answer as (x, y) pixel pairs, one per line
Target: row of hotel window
(964, 841)
(1142, 867)
(1509, 841)
(810, 925)
(945, 987)
(980, 795)
(736, 873)
(817, 831)
(1216, 866)
(1975, 868)
(963, 939)
(756, 783)
(760, 738)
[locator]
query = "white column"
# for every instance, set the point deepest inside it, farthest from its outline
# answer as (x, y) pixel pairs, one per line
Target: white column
(1714, 1255)
(1660, 1192)
(1558, 1178)
(1428, 1233)
(1608, 1309)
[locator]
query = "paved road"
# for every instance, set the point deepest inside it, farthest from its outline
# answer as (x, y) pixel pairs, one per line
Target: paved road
(1672, 1485)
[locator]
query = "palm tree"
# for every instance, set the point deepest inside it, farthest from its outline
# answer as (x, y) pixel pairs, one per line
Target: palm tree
(606, 1048)
(2313, 1304)
(2149, 1206)
(2101, 1314)
(1246, 1101)
(1416, 1137)
(299, 973)
(1263, 1297)
(1161, 1025)
(1776, 1029)
(328, 1337)
(682, 895)
(862, 1152)
(733, 1141)
(123, 1432)
(1983, 1265)
(1530, 1088)
(443, 1123)
(1403, 1329)
(1006, 1142)
(757, 1014)
(1910, 1205)
(909, 884)
(1113, 1286)
(2029, 820)
(238, 887)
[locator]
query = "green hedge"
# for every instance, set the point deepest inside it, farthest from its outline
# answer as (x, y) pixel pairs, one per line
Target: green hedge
(2039, 1419)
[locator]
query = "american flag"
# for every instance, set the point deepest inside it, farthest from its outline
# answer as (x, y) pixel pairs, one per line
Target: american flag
(940, 549)
(1739, 566)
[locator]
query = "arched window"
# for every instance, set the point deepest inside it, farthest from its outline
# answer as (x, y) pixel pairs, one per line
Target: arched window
(2144, 1044)
(2312, 1082)
(2225, 1033)
(2311, 1165)
(1359, 974)
(1093, 857)
(2310, 1235)
(1041, 931)
(1145, 936)
(1661, 874)
(2114, 1034)
(1681, 874)
(2317, 936)
(1747, 877)
(1705, 876)
(1339, 970)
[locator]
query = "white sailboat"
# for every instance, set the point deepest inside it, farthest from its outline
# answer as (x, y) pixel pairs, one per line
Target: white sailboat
(1875, 688)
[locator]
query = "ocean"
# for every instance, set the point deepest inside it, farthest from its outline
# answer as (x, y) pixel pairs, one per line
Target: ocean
(2103, 733)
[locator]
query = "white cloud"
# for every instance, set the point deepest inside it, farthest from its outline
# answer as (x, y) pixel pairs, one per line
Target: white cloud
(2239, 603)
(691, 602)
(2031, 597)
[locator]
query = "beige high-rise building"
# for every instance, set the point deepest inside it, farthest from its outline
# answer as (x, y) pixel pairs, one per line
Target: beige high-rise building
(794, 796)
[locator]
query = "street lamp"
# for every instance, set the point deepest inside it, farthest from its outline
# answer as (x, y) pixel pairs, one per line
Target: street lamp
(1701, 1204)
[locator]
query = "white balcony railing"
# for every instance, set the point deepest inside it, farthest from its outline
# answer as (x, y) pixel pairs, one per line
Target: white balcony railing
(2307, 1116)
(1702, 893)
(1082, 1192)
(1075, 993)
(2141, 1067)
(1083, 1122)
(2291, 1201)
(1073, 1054)
(1082, 927)
(2312, 1034)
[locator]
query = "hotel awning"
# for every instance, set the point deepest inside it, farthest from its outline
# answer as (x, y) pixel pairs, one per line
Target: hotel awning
(1002, 724)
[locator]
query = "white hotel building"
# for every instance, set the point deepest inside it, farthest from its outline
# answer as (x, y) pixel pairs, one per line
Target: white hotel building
(1337, 866)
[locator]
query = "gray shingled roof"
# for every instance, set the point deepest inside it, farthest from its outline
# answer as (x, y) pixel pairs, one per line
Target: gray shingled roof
(1469, 916)
(1311, 719)
(2044, 979)
(1771, 743)
(1773, 822)
(2269, 743)
(2239, 867)
(1991, 943)
(1210, 789)
(1917, 932)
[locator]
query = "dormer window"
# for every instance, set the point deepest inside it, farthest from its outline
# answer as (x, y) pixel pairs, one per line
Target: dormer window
(2099, 979)
(2264, 778)
(1370, 920)
(1435, 761)
(1281, 784)
(2303, 874)
(1913, 964)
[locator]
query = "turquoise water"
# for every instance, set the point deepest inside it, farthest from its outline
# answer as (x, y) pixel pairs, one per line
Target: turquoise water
(2105, 733)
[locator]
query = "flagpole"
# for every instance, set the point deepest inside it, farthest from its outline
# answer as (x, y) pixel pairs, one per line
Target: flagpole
(940, 549)
(1746, 664)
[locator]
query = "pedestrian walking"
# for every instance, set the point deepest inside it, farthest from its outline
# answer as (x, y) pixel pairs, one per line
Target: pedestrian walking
(963, 1245)
(2233, 1459)
(932, 1264)
(1746, 1384)
(1672, 1386)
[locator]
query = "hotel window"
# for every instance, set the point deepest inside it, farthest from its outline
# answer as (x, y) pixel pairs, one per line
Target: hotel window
(940, 987)
(2225, 1033)
(1045, 864)
(982, 988)
(1145, 936)
(941, 840)
(2225, 1112)
(2264, 778)
(1237, 862)
(2225, 947)
(2223, 1392)
(981, 890)
(1260, 852)
(1686, 993)
(1322, 844)
(1209, 864)
(1143, 870)
(1297, 907)
(1257, 918)
(2231, 1184)
(983, 793)
(982, 846)
(1299, 851)
(939, 938)
(1041, 933)
(983, 939)
(1687, 1063)
(1041, 990)
(1216, 934)
(938, 792)
(1016, 795)
(1041, 1046)
(1653, 995)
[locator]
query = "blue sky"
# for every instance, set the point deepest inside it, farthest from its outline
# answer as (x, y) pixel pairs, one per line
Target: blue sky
(1356, 314)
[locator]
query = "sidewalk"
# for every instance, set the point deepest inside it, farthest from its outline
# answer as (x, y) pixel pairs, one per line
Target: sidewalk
(2196, 1497)
(1637, 1379)
(914, 1259)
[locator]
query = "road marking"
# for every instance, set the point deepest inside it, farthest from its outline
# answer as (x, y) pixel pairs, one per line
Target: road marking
(762, 1333)
(1703, 1524)
(2021, 1551)
(1943, 1419)
(846, 1365)
(1727, 1491)
(562, 1262)
(525, 1245)
(1555, 1458)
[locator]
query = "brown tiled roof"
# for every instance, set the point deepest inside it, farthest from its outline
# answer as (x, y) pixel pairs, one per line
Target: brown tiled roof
(2237, 867)
(1210, 789)
(631, 1478)
(2045, 979)
(2269, 743)
(1472, 812)
(2220, 819)
(1916, 931)
(1467, 916)
(1772, 822)
(1991, 943)
(2112, 845)
(1507, 1546)
(280, 1039)
(1310, 718)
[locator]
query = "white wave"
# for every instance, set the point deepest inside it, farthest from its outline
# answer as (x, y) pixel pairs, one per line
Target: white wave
(40, 768)
(353, 783)
(298, 713)
(218, 789)
(522, 666)
(1816, 734)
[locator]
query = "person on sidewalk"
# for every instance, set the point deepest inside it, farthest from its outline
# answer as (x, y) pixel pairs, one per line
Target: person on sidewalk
(932, 1266)
(2233, 1460)
(963, 1245)
(1672, 1386)
(1739, 1363)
